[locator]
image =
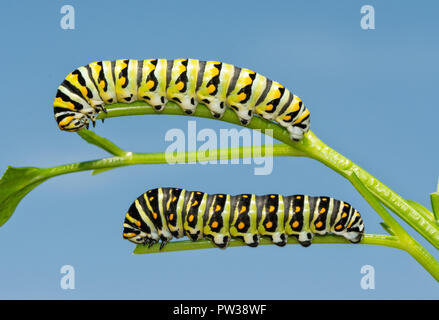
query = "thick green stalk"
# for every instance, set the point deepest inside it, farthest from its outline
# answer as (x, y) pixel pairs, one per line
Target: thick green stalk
(316, 149)
(405, 241)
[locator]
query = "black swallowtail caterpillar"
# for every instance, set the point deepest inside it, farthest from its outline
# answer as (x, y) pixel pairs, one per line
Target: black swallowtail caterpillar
(164, 213)
(187, 82)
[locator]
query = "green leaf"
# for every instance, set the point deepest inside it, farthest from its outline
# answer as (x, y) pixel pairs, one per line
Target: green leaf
(15, 184)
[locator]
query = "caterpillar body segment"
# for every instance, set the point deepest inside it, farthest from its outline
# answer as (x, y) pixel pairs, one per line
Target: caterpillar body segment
(164, 213)
(88, 89)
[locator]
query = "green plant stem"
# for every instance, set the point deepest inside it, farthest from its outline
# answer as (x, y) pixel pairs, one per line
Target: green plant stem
(17, 182)
(405, 241)
(371, 239)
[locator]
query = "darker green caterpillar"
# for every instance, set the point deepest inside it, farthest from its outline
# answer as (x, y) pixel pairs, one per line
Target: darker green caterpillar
(164, 213)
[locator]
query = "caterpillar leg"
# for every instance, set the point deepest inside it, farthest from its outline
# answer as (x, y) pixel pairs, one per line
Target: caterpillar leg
(219, 240)
(217, 108)
(279, 239)
(252, 240)
(187, 104)
(305, 238)
(296, 133)
(244, 115)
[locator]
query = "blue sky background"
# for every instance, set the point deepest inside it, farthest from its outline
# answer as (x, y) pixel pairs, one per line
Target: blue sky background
(372, 96)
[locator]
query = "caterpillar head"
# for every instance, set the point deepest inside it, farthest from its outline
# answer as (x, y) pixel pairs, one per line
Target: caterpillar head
(133, 233)
(135, 230)
(72, 121)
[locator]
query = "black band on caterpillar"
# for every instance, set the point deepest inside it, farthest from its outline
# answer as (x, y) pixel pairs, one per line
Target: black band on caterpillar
(163, 213)
(87, 90)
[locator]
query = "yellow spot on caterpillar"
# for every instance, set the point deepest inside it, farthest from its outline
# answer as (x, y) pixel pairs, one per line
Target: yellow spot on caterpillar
(122, 81)
(129, 235)
(269, 107)
(272, 196)
(344, 215)
(323, 210)
(151, 198)
(295, 224)
(319, 224)
(217, 208)
(154, 215)
(357, 214)
(211, 88)
(198, 192)
(248, 80)
(245, 196)
(195, 203)
(149, 84)
(242, 96)
(174, 199)
(84, 91)
(65, 121)
(277, 94)
(241, 225)
(181, 68)
(324, 199)
(220, 196)
(269, 224)
(131, 219)
(338, 227)
(297, 209)
(180, 85)
(61, 102)
(271, 209)
(243, 209)
(138, 223)
(97, 67)
(298, 197)
(214, 71)
(214, 224)
(286, 118)
(346, 205)
(102, 84)
(171, 217)
(191, 218)
(296, 107)
(350, 223)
